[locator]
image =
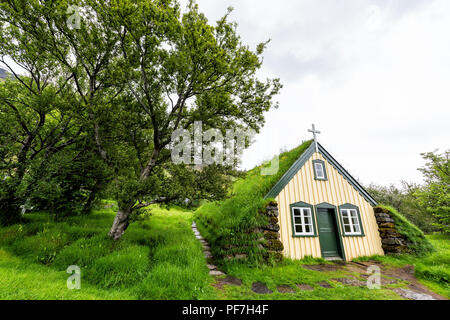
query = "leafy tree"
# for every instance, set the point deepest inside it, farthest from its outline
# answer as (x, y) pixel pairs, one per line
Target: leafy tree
(184, 70)
(405, 201)
(435, 195)
(142, 70)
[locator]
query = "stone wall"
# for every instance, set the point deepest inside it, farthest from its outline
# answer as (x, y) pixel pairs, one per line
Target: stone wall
(269, 234)
(391, 240)
(267, 239)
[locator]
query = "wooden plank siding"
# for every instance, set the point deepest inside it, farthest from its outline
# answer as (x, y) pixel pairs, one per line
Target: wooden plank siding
(336, 191)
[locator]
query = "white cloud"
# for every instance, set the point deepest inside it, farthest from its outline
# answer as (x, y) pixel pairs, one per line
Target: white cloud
(373, 76)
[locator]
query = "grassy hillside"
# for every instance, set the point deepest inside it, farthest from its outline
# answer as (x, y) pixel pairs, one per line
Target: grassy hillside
(230, 223)
(157, 258)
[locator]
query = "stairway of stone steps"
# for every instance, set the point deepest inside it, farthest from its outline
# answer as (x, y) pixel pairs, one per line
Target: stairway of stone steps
(213, 270)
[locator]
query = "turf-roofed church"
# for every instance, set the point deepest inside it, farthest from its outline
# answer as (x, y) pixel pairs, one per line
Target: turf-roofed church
(323, 211)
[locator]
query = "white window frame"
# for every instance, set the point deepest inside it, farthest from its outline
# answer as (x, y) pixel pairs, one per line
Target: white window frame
(302, 218)
(351, 214)
(322, 168)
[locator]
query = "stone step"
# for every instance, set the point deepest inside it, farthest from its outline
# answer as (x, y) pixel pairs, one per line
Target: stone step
(216, 273)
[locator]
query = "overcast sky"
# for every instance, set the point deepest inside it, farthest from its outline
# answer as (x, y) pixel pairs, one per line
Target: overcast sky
(374, 76)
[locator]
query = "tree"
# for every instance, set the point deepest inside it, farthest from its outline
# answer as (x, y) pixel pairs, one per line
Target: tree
(405, 201)
(141, 71)
(185, 70)
(435, 195)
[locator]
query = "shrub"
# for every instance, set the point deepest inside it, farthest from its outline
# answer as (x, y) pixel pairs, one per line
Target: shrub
(83, 252)
(43, 247)
(11, 234)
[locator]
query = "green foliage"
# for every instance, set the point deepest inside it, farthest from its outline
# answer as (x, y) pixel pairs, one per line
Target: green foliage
(231, 222)
(142, 71)
(427, 205)
(417, 242)
(435, 195)
(45, 159)
(405, 200)
(42, 247)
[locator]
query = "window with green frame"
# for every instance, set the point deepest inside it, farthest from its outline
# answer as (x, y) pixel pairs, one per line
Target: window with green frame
(303, 223)
(351, 220)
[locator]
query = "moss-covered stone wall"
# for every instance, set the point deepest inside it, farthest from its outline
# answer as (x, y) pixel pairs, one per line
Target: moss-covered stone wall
(392, 241)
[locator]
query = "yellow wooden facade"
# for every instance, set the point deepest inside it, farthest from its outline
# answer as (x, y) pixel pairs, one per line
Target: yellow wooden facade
(336, 190)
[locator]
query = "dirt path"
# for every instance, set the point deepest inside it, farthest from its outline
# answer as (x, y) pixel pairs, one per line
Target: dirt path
(390, 275)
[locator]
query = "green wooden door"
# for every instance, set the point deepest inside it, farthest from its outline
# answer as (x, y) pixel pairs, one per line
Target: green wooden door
(328, 233)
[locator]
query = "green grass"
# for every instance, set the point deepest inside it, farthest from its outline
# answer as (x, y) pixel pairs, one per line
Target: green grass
(231, 222)
(291, 273)
(158, 258)
(417, 242)
(432, 269)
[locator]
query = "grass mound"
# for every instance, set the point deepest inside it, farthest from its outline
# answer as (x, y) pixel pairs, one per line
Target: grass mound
(123, 268)
(418, 243)
(228, 225)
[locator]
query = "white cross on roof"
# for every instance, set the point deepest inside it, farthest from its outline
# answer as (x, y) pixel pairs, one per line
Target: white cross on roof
(314, 132)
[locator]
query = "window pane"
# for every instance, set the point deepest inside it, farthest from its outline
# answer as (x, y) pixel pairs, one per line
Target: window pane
(357, 229)
(296, 212)
(344, 213)
(297, 220)
(347, 229)
(319, 170)
(307, 220)
(298, 229)
(307, 229)
(345, 219)
(355, 221)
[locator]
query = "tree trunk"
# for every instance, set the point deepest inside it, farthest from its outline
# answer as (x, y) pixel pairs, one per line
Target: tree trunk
(120, 224)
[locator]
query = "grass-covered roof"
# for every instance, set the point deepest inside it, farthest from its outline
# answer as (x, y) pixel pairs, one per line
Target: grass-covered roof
(235, 217)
